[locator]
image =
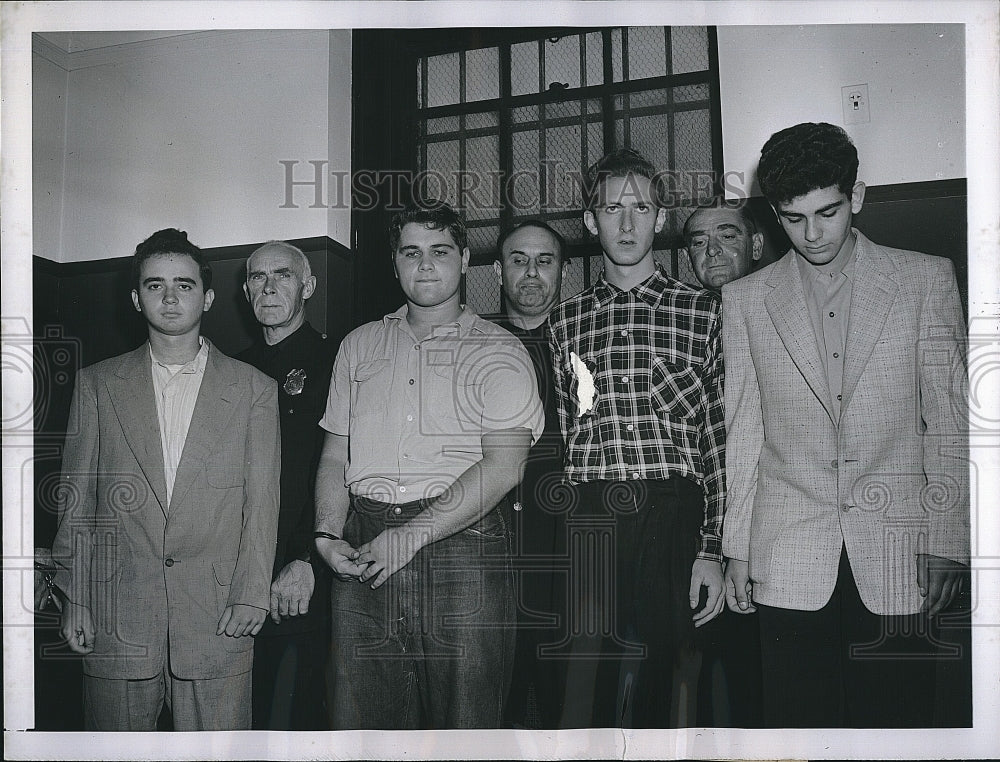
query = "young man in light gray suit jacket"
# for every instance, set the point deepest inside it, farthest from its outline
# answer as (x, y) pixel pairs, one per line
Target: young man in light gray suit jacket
(847, 466)
(168, 513)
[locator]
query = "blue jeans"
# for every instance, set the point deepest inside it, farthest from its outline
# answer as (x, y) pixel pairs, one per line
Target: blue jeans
(433, 647)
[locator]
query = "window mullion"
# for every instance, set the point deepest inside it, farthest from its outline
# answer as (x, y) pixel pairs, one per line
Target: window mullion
(506, 136)
(607, 99)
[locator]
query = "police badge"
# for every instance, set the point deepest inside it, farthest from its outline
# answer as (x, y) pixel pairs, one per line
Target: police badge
(295, 382)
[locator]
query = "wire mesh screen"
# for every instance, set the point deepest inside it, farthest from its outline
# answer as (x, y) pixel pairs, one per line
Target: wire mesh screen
(482, 289)
(505, 149)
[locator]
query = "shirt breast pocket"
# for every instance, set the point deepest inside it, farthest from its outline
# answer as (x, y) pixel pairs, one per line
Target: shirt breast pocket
(675, 389)
(370, 384)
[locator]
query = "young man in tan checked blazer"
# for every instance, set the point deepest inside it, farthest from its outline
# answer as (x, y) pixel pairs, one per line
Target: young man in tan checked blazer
(847, 510)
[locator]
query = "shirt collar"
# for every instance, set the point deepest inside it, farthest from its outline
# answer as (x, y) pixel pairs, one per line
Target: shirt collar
(466, 322)
(292, 339)
(843, 263)
(197, 365)
(650, 290)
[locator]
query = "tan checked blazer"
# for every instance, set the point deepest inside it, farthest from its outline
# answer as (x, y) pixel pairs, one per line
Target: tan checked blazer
(891, 480)
(157, 578)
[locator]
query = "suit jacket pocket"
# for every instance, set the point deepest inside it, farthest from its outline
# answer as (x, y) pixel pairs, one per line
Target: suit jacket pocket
(224, 475)
(224, 571)
(675, 389)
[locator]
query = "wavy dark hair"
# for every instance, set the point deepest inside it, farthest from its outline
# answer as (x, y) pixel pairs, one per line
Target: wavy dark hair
(437, 215)
(170, 241)
(804, 158)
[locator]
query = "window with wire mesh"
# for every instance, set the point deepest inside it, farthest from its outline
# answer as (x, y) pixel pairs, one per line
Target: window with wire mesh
(506, 133)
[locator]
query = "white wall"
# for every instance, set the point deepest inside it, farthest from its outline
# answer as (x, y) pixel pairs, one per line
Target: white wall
(773, 77)
(339, 153)
(187, 132)
(48, 95)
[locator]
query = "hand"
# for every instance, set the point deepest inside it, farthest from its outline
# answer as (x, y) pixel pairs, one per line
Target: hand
(240, 619)
(939, 580)
(41, 591)
(341, 557)
(77, 627)
(44, 592)
(292, 590)
(388, 553)
(738, 588)
(706, 574)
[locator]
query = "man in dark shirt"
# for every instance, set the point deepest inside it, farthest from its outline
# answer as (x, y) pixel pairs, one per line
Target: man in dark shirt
(530, 264)
(291, 649)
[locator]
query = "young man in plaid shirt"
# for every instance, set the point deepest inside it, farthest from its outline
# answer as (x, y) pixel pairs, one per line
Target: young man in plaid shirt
(638, 378)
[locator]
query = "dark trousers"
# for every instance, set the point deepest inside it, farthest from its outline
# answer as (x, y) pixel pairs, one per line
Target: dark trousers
(843, 666)
(288, 679)
(632, 545)
(432, 648)
(535, 697)
(729, 688)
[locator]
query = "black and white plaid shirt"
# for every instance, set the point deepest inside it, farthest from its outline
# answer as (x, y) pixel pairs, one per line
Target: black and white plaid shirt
(655, 355)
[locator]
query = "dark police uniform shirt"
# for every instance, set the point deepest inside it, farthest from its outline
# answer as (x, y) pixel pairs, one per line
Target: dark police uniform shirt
(301, 365)
(539, 526)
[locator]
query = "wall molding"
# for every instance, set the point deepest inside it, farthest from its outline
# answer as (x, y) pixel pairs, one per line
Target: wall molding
(958, 186)
(145, 49)
(52, 53)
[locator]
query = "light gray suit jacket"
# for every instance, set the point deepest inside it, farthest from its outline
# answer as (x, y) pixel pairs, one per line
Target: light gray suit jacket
(890, 478)
(158, 577)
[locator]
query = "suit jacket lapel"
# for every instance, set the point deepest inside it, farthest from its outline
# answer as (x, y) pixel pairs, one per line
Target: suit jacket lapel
(786, 305)
(131, 390)
(217, 399)
(872, 294)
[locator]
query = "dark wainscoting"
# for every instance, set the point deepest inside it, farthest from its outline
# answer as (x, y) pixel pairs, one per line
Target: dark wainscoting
(930, 217)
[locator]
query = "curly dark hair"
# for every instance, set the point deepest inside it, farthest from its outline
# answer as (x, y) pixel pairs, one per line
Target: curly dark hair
(803, 158)
(621, 163)
(437, 215)
(170, 241)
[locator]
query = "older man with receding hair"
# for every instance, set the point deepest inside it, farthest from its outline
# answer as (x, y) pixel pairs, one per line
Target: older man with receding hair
(723, 242)
(288, 686)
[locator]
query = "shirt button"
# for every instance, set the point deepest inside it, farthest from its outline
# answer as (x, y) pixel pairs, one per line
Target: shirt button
(831, 314)
(291, 410)
(635, 474)
(409, 417)
(397, 510)
(624, 332)
(411, 382)
(624, 379)
(833, 464)
(630, 427)
(168, 562)
(402, 489)
(416, 346)
(845, 507)
(836, 354)
(839, 397)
